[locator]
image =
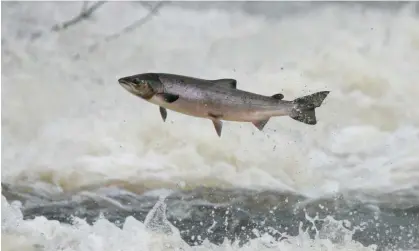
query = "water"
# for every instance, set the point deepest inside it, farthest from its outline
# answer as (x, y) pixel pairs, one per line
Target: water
(88, 161)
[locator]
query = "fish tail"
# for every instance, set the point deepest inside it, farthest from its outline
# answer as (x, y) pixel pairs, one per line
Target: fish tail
(304, 107)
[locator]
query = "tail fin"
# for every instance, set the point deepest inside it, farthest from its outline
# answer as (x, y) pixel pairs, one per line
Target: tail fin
(303, 109)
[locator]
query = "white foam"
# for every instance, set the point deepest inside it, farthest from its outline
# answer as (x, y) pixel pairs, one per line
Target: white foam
(155, 234)
(69, 123)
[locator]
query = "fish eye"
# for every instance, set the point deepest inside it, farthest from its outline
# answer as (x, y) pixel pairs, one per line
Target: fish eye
(137, 81)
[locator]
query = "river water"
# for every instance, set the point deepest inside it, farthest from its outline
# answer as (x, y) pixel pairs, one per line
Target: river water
(88, 166)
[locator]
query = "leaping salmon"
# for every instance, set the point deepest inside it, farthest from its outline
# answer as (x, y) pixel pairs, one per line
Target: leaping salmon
(218, 99)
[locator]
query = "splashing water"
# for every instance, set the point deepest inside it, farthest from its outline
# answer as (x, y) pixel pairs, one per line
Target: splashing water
(42, 234)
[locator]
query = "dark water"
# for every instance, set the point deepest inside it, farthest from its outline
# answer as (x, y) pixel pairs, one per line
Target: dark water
(215, 214)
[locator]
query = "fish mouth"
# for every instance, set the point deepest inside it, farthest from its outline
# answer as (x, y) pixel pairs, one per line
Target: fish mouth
(123, 81)
(126, 85)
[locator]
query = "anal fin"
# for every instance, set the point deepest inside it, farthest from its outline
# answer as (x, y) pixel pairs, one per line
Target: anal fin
(163, 113)
(260, 124)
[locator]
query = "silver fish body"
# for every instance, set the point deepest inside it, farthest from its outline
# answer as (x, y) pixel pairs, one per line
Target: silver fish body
(218, 99)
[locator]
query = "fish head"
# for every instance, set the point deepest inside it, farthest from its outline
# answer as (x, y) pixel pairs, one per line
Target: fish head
(142, 85)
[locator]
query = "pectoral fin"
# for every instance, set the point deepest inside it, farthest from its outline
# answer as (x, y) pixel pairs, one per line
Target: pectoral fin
(169, 98)
(232, 83)
(163, 113)
(260, 124)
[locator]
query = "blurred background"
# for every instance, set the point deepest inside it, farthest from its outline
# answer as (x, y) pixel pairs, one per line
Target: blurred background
(88, 166)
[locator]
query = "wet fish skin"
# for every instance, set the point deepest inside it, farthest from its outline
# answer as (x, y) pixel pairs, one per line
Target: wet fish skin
(218, 99)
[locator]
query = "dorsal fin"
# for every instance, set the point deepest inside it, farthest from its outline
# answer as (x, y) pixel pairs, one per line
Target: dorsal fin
(232, 83)
(278, 96)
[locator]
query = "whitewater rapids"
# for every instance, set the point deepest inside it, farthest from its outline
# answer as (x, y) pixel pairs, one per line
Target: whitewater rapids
(68, 127)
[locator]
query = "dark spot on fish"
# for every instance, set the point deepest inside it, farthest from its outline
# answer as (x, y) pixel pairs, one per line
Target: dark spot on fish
(179, 81)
